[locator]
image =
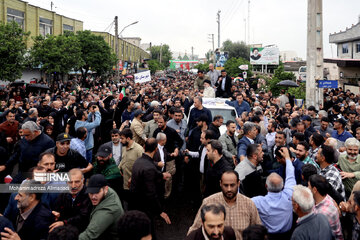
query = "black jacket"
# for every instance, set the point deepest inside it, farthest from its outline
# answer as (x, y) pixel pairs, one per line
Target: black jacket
(213, 176)
(72, 160)
(36, 226)
(219, 92)
(146, 186)
(215, 129)
(77, 212)
(28, 153)
(173, 140)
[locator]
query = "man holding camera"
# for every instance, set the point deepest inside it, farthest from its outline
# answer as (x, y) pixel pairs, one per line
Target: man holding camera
(86, 120)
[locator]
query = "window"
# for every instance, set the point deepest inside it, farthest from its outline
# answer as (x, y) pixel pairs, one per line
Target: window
(15, 15)
(45, 26)
(345, 48)
(68, 28)
(358, 47)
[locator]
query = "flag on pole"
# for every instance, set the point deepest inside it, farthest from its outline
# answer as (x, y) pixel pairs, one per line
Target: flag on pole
(122, 94)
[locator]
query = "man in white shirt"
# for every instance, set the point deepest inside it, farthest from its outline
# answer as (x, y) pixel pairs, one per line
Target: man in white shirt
(270, 136)
(115, 145)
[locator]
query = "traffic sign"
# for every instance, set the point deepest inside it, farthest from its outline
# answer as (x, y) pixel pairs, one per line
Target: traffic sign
(328, 83)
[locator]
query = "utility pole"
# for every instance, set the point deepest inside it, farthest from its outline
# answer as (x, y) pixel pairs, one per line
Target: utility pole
(314, 58)
(245, 31)
(192, 53)
(211, 38)
(117, 44)
(51, 5)
(218, 21)
(248, 22)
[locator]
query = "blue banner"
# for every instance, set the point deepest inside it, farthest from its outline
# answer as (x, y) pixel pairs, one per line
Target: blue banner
(328, 83)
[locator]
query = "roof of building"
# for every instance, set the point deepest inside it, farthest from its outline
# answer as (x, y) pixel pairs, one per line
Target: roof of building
(350, 34)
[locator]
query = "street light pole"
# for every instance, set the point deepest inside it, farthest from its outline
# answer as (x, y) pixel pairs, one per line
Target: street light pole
(123, 41)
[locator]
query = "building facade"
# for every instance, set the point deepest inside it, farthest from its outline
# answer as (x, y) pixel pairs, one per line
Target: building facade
(36, 20)
(128, 51)
(348, 54)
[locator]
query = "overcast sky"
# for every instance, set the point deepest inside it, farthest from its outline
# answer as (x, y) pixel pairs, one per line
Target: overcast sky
(187, 23)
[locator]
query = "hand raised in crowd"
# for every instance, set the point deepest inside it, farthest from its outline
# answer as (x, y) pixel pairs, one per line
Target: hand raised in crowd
(284, 151)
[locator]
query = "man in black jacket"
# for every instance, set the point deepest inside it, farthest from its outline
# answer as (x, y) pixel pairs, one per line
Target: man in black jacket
(74, 207)
(218, 165)
(66, 158)
(34, 218)
(223, 85)
(146, 184)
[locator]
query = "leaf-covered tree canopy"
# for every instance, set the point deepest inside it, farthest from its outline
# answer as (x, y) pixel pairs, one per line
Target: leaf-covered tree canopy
(166, 54)
(236, 49)
(12, 51)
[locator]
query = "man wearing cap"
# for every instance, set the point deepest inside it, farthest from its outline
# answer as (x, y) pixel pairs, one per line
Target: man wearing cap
(223, 85)
(66, 158)
(106, 166)
(137, 127)
(30, 147)
(199, 81)
(106, 212)
(209, 92)
(339, 131)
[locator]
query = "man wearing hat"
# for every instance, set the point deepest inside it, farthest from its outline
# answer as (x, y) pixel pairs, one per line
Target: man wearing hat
(339, 131)
(209, 92)
(137, 127)
(223, 85)
(106, 166)
(66, 158)
(106, 212)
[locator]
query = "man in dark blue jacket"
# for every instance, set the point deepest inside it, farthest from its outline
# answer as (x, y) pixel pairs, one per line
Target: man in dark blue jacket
(34, 218)
(31, 146)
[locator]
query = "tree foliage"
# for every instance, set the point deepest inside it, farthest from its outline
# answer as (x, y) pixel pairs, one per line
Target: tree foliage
(236, 49)
(279, 75)
(299, 92)
(209, 56)
(204, 67)
(95, 53)
(12, 51)
(166, 54)
(56, 54)
(232, 67)
(155, 65)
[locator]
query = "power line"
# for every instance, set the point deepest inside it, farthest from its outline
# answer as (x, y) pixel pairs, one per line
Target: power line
(226, 23)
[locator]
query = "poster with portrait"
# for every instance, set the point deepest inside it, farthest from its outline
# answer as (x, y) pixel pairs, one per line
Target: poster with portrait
(264, 56)
(221, 58)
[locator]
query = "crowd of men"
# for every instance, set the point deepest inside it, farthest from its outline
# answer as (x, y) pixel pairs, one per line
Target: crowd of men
(279, 171)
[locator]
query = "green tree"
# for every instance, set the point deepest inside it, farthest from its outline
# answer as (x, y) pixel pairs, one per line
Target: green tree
(56, 54)
(232, 67)
(166, 54)
(299, 92)
(236, 49)
(279, 75)
(154, 65)
(96, 54)
(204, 67)
(12, 51)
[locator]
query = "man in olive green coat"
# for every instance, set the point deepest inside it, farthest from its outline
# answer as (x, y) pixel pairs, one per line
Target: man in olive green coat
(107, 210)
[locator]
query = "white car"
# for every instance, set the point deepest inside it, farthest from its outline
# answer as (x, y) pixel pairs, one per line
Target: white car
(217, 106)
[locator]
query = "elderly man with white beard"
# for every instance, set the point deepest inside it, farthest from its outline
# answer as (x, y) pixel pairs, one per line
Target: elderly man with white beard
(349, 162)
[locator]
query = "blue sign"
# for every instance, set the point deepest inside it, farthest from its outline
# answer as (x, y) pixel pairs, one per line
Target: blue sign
(328, 83)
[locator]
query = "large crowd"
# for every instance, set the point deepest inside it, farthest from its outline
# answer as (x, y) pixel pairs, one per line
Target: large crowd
(279, 171)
